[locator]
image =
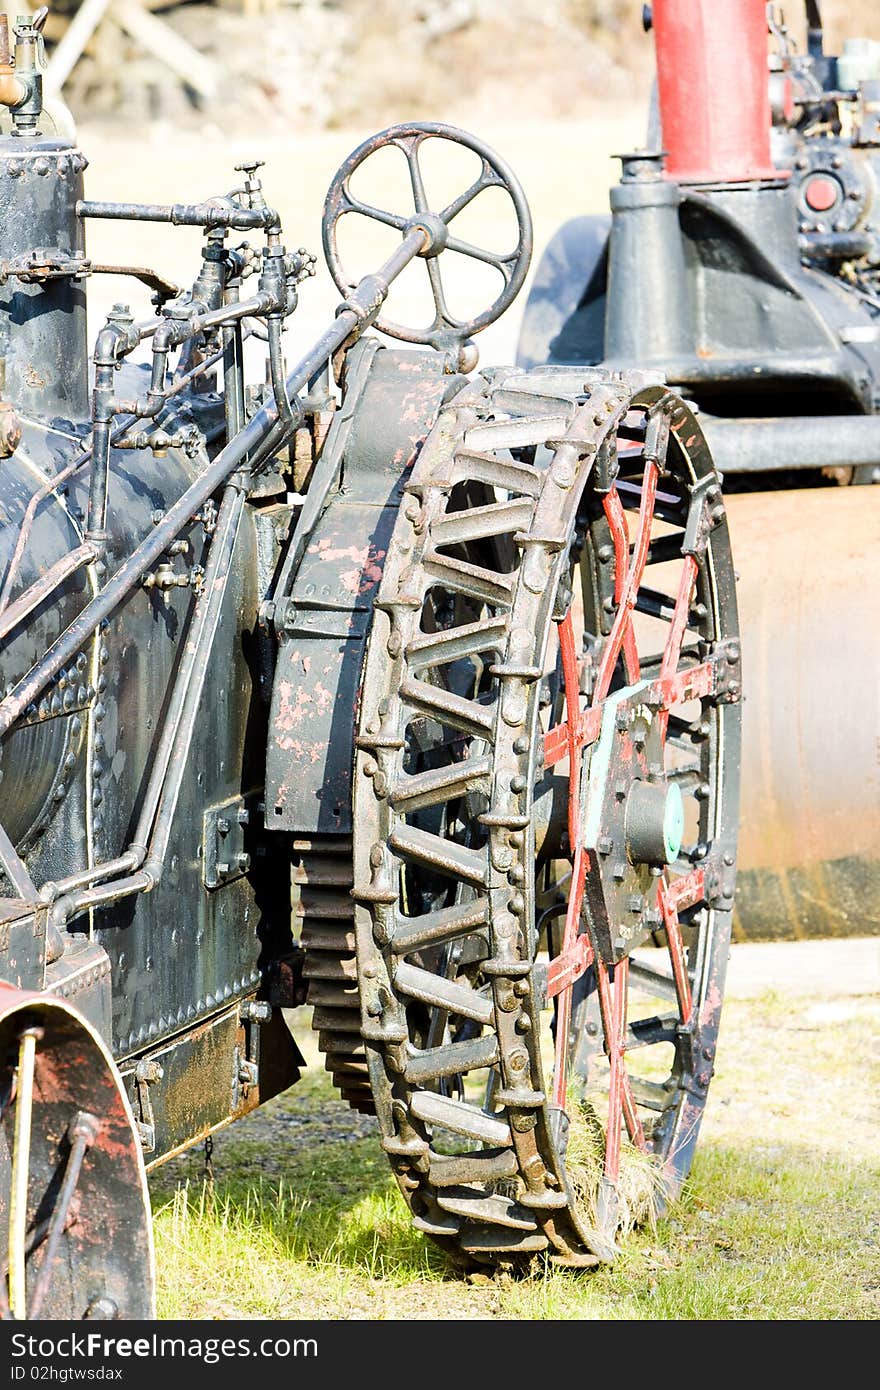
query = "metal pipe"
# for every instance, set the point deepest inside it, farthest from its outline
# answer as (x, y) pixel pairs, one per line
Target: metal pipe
(73, 904)
(122, 864)
(713, 89)
(223, 546)
(182, 214)
(199, 640)
(276, 370)
(18, 1205)
(799, 441)
(232, 340)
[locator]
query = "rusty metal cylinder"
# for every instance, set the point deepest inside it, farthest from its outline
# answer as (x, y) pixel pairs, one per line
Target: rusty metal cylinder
(809, 607)
(713, 89)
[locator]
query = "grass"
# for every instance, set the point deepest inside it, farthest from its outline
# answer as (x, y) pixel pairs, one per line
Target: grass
(776, 1221)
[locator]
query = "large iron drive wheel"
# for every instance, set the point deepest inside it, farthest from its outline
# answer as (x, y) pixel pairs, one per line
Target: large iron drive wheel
(545, 813)
(74, 1206)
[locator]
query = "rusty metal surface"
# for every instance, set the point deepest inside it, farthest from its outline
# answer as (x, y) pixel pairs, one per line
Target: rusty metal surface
(324, 616)
(103, 1260)
(213, 1074)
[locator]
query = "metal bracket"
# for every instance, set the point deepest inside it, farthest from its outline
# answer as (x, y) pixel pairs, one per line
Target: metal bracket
(225, 828)
(726, 656)
(43, 263)
(146, 1074)
(706, 510)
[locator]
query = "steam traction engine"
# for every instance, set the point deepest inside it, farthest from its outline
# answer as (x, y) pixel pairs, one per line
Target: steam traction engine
(376, 683)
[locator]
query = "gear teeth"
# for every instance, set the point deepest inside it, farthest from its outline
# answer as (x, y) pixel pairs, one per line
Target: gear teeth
(323, 906)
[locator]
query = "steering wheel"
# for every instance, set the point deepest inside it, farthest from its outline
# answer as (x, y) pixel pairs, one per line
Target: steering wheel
(445, 331)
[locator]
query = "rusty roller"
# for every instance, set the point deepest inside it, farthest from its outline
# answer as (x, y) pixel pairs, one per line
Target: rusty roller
(810, 830)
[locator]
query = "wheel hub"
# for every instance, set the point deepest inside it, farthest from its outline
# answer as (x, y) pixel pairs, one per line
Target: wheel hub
(633, 821)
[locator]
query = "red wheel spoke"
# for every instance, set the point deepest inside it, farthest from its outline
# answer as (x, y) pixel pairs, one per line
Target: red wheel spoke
(693, 683)
(621, 1102)
(576, 953)
(689, 889)
(672, 650)
(571, 676)
(623, 619)
(676, 951)
(616, 518)
(564, 971)
(580, 726)
(556, 740)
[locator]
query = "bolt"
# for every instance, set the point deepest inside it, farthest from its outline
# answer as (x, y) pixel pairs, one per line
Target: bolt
(636, 902)
(256, 1011)
(604, 844)
(244, 862)
(222, 825)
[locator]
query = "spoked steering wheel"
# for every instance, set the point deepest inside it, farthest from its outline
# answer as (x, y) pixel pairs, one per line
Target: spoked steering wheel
(445, 330)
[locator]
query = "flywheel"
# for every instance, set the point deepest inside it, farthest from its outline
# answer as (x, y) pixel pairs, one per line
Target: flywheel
(545, 813)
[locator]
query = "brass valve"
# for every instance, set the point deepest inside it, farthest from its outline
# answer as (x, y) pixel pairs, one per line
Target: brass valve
(12, 90)
(21, 79)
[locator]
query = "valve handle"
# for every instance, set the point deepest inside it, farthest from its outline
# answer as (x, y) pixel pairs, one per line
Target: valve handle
(445, 331)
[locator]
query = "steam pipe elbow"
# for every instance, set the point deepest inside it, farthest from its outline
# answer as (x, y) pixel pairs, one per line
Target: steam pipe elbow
(109, 345)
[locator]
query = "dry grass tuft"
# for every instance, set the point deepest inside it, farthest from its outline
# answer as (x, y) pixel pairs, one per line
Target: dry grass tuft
(640, 1188)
